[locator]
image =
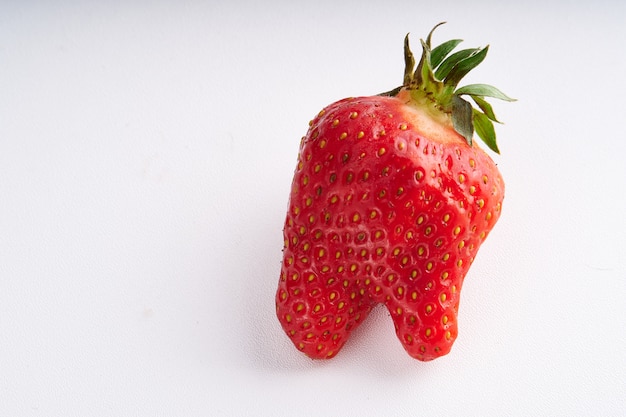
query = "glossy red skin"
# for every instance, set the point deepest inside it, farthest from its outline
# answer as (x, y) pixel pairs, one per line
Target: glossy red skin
(383, 216)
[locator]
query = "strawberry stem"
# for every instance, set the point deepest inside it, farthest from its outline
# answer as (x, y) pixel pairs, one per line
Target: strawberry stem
(435, 79)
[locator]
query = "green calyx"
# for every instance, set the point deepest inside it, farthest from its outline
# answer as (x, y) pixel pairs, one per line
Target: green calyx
(436, 79)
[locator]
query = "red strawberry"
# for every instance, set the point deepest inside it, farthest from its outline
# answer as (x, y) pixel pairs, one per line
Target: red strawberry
(389, 204)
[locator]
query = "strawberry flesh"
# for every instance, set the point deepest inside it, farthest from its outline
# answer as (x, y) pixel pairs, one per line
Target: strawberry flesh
(387, 207)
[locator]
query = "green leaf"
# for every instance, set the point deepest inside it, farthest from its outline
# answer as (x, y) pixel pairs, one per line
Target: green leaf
(461, 69)
(483, 90)
(462, 118)
(484, 129)
(423, 75)
(485, 107)
(409, 61)
(452, 60)
(438, 54)
(430, 34)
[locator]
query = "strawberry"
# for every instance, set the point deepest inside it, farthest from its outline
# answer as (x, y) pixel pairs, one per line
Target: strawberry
(390, 201)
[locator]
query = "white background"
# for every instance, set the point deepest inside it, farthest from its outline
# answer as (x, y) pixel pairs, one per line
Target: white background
(146, 154)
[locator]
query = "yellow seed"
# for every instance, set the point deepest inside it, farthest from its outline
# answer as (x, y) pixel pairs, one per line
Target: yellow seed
(399, 310)
(457, 230)
(288, 318)
(485, 179)
(443, 297)
(461, 178)
(472, 163)
(343, 136)
(400, 291)
(444, 319)
(341, 305)
(335, 122)
(472, 189)
(360, 135)
(446, 218)
(414, 295)
(429, 308)
(381, 151)
(354, 115)
(448, 335)
(480, 203)
(428, 332)
(322, 143)
(446, 256)
(403, 126)
(459, 263)
(444, 276)
(420, 220)
(429, 266)
(311, 278)
(317, 308)
(338, 320)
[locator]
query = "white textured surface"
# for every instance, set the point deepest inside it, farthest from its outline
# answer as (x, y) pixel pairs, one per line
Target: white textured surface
(146, 153)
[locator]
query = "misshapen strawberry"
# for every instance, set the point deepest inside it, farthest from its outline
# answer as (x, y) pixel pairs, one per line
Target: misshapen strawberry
(389, 204)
